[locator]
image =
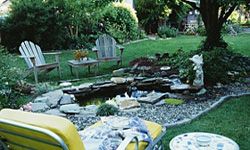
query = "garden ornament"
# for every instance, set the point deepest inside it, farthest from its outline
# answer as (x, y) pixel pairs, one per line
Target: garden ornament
(199, 75)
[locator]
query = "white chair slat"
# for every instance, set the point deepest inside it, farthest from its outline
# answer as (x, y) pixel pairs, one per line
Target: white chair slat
(27, 60)
(33, 50)
(40, 54)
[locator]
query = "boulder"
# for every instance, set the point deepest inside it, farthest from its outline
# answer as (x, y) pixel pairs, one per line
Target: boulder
(67, 99)
(39, 107)
(89, 110)
(41, 100)
(55, 112)
(65, 84)
(53, 97)
(118, 80)
(70, 108)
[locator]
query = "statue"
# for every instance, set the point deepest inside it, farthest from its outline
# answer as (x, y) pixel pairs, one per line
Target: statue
(199, 75)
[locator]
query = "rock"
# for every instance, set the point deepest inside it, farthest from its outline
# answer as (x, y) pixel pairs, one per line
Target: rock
(130, 79)
(65, 84)
(108, 85)
(85, 85)
(41, 100)
(151, 98)
(67, 99)
(119, 72)
(89, 110)
(128, 104)
(55, 112)
(70, 108)
(180, 87)
(165, 68)
(53, 97)
(39, 107)
(202, 91)
(118, 80)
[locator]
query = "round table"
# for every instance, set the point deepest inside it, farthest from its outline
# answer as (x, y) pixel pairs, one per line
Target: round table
(188, 141)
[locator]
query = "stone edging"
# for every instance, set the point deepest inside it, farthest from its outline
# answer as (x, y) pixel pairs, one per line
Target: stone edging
(216, 104)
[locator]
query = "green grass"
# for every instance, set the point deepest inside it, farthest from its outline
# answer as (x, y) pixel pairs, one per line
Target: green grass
(232, 120)
(172, 101)
(135, 50)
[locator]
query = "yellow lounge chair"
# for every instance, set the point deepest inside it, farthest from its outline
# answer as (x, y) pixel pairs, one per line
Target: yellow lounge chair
(25, 130)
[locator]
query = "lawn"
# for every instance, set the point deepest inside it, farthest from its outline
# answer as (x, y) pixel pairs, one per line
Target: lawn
(231, 119)
(135, 50)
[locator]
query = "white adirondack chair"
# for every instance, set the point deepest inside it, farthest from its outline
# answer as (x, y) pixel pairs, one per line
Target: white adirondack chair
(34, 58)
(106, 49)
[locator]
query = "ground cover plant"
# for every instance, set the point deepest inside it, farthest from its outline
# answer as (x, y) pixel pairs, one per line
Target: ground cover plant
(231, 120)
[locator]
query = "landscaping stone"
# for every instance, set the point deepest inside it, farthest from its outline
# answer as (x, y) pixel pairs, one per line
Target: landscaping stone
(92, 108)
(65, 84)
(118, 80)
(70, 108)
(119, 72)
(180, 87)
(67, 99)
(151, 98)
(39, 107)
(55, 112)
(53, 97)
(128, 104)
(85, 85)
(41, 100)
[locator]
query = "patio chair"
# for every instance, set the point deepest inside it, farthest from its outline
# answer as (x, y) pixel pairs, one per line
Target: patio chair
(106, 49)
(35, 61)
(26, 130)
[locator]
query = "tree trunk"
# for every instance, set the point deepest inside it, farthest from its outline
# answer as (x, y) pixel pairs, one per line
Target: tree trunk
(210, 15)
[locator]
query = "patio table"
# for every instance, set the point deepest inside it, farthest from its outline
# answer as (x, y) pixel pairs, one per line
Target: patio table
(190, 141)
(81, 63)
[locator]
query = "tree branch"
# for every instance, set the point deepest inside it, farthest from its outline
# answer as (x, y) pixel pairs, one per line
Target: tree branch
(192, 4)
(229, 12)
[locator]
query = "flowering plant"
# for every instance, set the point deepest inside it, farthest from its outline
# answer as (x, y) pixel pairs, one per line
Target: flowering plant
(79, 54)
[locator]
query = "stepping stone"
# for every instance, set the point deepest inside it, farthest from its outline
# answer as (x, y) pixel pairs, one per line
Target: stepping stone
(70, 108)
(39, 107)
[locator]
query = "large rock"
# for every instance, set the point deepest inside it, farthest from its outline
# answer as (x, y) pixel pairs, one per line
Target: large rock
(151, 98)
(118, 80)
(41, 100)
(70, 108)
(67, 99)
(39, 107)
(89, 110)
(55, 112)
(53, 97)
(128, 104)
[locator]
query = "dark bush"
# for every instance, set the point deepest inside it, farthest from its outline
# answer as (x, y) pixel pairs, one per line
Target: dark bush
(165, 31)
(106, 110)
(201, 31)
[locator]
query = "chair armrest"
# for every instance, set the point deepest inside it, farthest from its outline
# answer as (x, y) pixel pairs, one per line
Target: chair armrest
(120, 47)
(126, 141)
(94, 49)
(53, 53)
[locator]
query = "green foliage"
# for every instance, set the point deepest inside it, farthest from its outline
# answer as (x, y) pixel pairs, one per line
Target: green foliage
(106, 110)
(10, 75)
(120, 23)
(165, 31)
(172, 101)
(201, 30)
(36, 20)
(152, 13)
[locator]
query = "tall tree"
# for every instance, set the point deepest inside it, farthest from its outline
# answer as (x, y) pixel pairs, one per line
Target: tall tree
(214, 14)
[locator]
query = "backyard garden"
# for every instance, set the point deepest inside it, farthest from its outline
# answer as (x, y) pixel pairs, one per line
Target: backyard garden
(175, 64)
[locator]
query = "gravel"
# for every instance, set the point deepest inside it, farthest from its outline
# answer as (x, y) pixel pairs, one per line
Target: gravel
(170, 114)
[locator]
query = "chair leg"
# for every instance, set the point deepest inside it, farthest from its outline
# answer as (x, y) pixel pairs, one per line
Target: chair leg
(35, 74)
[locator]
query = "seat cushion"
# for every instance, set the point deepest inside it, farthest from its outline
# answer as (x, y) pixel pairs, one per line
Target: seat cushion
(154, 129)
(60, 126)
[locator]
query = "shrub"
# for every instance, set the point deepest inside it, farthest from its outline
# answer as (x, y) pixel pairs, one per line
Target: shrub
(120, 22)
(165, 31)
(8, 80)
(106, 110)
(35, 20)
(201, 31)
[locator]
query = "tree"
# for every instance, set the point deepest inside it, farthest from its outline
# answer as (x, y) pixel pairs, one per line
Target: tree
(214, 14)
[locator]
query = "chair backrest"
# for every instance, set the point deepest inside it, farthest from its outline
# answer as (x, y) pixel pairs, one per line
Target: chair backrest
(25, 130)
(29, 49)
(106, 46)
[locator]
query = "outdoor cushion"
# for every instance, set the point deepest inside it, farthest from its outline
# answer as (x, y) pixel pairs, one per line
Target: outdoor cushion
(154, 129)
(60, 126)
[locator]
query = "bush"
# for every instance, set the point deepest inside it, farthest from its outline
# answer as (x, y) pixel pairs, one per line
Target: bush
(165, 31)
(106, 110)
(35, 20)
(120, 22)
(201, 31)
(8, 80)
